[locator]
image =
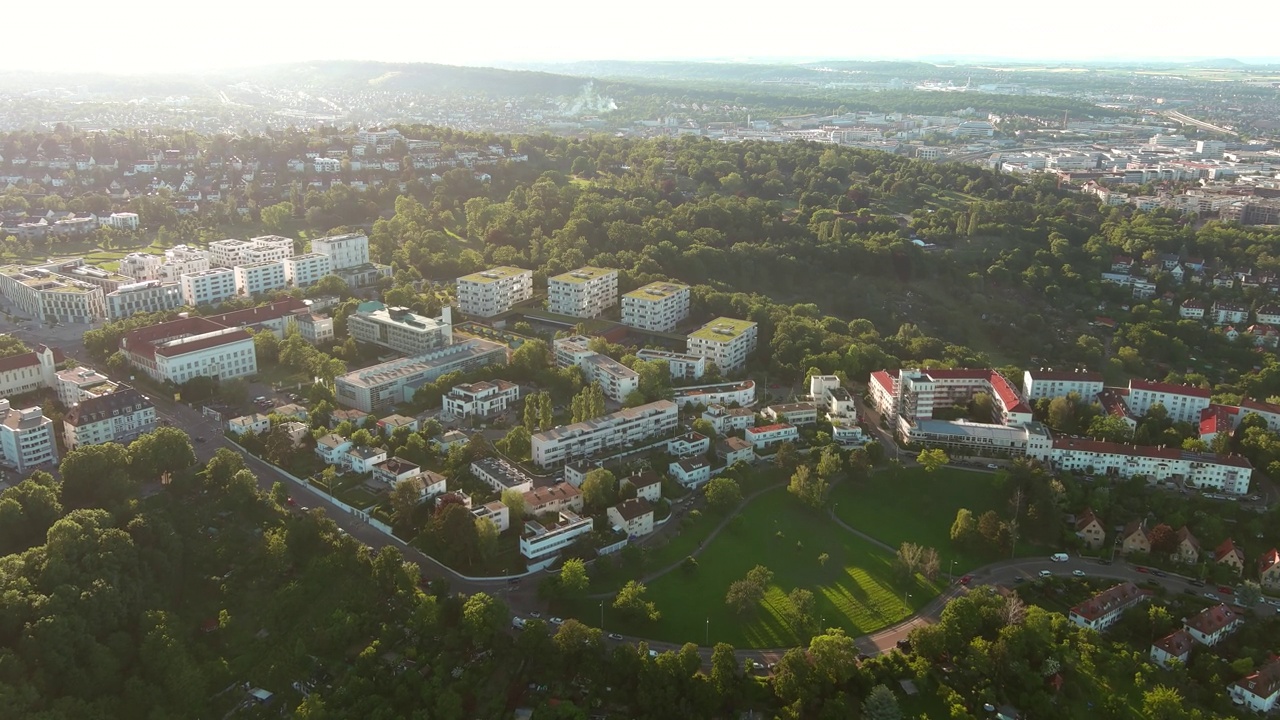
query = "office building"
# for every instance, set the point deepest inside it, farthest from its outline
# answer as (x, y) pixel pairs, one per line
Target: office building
(208, 287)
(118, 417)
(26, 438)
(344, 251)
(306, 270)
(494, 291)
(658, 306)
(45, 293)
(383, 385)
(621, 429)
(400, 329)
(586, 292)
(726, 342)
(188, 348)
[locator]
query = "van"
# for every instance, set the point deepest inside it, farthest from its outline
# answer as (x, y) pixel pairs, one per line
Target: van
(1059, 557)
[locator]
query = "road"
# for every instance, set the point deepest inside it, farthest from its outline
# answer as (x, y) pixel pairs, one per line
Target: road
(1188, 120)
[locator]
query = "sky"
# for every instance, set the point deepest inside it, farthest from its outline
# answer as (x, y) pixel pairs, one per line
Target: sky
(145, 36)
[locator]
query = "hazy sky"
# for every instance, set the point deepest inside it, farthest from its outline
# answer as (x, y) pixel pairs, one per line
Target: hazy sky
(149, 35)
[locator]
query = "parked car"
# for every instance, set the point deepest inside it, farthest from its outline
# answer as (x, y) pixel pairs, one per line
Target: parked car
(1078, 573)
(1046, 573)
(1159, 573)
(535, 614)
(1211, 596)
(1226, 590)
(966, 579)
(1195, 583)
(1141, 569)
(557, 621)
(615, 636)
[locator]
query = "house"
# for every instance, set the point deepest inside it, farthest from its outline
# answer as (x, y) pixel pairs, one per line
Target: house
(249, 424)
(363, 459)
(1230, 555)
(552, 499)
(648, 485)
(1187, 551)
(1225, 313)
(690, 472)
(1213, 624)
(725, 420)
(391, 423)
(1090, 530)
(575, 473)
(733, 450)
(767, 436)
(353, 416)
(798, 414)
(1269, 569)
(541, 542)
(634, 517)
(297, 432)
(1134, 538)
(450, 440)
(496, 513)
(1104, 609)
(1268, 314)
(291, 411)
(688, 444)
(1174, 646)
(332, 448)
(1259, 690)
(1192, 309)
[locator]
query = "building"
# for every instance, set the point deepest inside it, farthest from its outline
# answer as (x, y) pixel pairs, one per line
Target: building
(726, 420)
(400, 329)
(575, 472)
(306, 270)
(633, 517)
(657, 307)
(332, 449)
(150, 296)
(26, 438)
(496, 513)
(1231, 474)
(1228, 313)
(118, 417)
(249, 424)
(391, 423)
(1176, 645)
(266, 248)
(361, 460)
(741, 393)
(1188, 549)
(260, 277)
(798, 414)
(121, 220)
(619, 430)
(682, 366)
(208, 287)
(1254, 211)
(1039, 384)
(914, 395)
(276, 317)
(1183, 402)
(615, 379)
(291, 411)
(28, 372)
(180, 350)
(1213, 624)
(314, 328)
(1191, 309)
(1229, 555)
(1269, 569)
(734, 450)
(396, 470)
(450, 440)
(1133, 539)
(381, 386)
(586, 292)
(688, 445)
(482, 399)
(43, 292)
(363, 275)
(552, 499)
(494, 291)
(343, 251)
(690, 472)
(1090, 531)
(501, 475)
(726, 342)
(648, 485)
(1104, 609)
(541, 542)
(1258, 690)
(970, 438)
(72, 386)
(767, 436)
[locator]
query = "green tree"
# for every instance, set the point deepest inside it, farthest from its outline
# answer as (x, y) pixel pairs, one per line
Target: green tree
(599, 489)
(452, 533)
(933, 459)
(787, 458)
(1163, 703)
(573, 577)
(965, 527)
(517, 443)
(514, 500)
(806, 485)
(97, 476)
(164, 451)
(406, 498)
(881, 704)
(830, 464)
(835, 657)
(726, 677)
(486, 538)
(803, 609)
(723, 494)
(705, 428)
(278, 218)
(631, 601)
(482, 618)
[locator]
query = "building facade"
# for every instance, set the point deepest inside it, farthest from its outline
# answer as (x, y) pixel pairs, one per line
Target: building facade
(726, 342)
(630, 426)
(208, 287)
(399, 329)
(150, 296)
(767, 436)
(28, 372)
(541, 542)
(742, 393)
(260, 277)
(306, 270)
(1038, 384)
(586, 292)
(658, 306)
(615, 379)
(682, 366)
(180, 350)
(26, 438)
(1104, 609)
(494, 291)
(343, 251)
(381, 386)
(482, 399)
(118, 417)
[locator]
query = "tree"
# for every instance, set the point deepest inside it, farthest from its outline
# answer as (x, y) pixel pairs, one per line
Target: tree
(452, 533)
(277, 218)
(599, 489)
(981, 408)
(1249, 593)
(1110, 428)
(531, 358)
(486, 538)
(989, 526)
(573, 577)
(808, 487)
(514, 500)
(97, 476)
(835, 656)
(787, 457)
(1163, 703)
(725, 672)
(875, 452)
(803, 608)
(482, 617)
(965, 527)
(164, 451)
(932, 459)
(705, 428)
(1162, 539)
(517, 443)
(830, 464)
(743, 596)
(723, 494)
(631, 602)
(881, 704)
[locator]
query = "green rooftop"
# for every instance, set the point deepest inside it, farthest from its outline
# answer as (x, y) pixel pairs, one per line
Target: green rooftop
(582, 274)
(656, 290)
(722, 329)
(492, 274)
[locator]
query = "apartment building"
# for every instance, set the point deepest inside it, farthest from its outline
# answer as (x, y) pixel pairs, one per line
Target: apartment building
(767, 436)
(400, 329)
(1038, 384)
(344, 251)
(1230, 474)
(615, 379)
(176, 262)
(913, 395)
(496, 513)
(266, 248)
(381, 386)
(682, 366)
(1103, 610)
(79, 383)
(259, 277)
(43, 292)
(658, 306)
(967, 437)
(26, 438)
(688, 445)
(540, 542)
(552, 498)
(482, 399)
(188, 348)
(118, 417)
(618, 430)
(395, 470)
(149, 296)
(276, 317)
(690, 472)
(1183, 402)
(725, 419)
(726, 342)
(586, 292)
(306, 270)
(28, 372)
(798, 414)
(742, 393)
(494, 291)
(208, 287)
(734, 450)
(1213, 624)
(633, 517)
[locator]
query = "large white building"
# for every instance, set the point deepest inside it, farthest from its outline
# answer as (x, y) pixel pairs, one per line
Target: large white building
(615, 379)
(913, 395)
(539, 542)
(1040, 384)
(618, 430)
(1183, 402)
(381, 386)
(118, 417)
(1103, 610)
(121, 220)
(400, 329)
(259, 277)
(148, 296)
(44, 293)
(763, 437)
(1223, 473)
(481, 399)
(28, 372)
(586, 292)
(80, 383)
(344, 251)
(741, 393)
(682, 366)
(306, 270)
(208, 287)
(267, 248)
(725, 420)
(188, 348)
(26, 438)
(658, 306)
(725, 341)
(176, 262)
(494, 291)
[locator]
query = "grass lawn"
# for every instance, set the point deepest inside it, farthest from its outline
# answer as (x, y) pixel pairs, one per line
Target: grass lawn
(855, 589)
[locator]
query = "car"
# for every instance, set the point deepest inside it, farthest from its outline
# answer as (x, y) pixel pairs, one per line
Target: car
(199, 438)
(992, 466)
(1046, 573)
(757, 665)
(295, 397)
(1211, 596)
(1019, 580)
(653, 653)
(615, 636)
(1142, 569)
(1225, 590)
(557, 621)
(1159, 573)
(1104, 561)
(304, 509)
(966, 579)
(904, 645)
(535, 614)
(1195, 583)
(1078, 573)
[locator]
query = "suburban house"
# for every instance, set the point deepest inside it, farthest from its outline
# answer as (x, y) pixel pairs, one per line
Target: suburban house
(351, 415)
(552, 499)
(291, 411)
(1230, 555)
(690, 472)
(362, 459)
(496, 513)
(249, 424)
(1102, 610)
(450, 440)
(648, 485)
(735, 449)
(1188, 550)
(433, 484)
(1174, 646)
(332, 448)
(391, 423)
(1213, 624)
(767, 436)
(1090, 530)
(1269, 569)
(688, 444)
(1134, 538)
(575, 472)
(395, 471)
(798, 414)
(1259, 690)
(634, 517)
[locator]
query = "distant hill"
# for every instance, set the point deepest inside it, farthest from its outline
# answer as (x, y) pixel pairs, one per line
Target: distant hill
(415, 77)
(682, 70)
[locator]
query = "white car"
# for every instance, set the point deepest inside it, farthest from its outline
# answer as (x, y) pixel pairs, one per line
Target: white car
(1078, 573)
(557, 621)
(1046, 573)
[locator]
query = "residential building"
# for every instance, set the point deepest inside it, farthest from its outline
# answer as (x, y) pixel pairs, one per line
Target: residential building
(1104, 609)
(314, 328)
(970, 438)
(688, 445)
(1134, 539)
(45, 293)
(26, 438)
(846, 431)
(726, 420)
(208, 287)
(690, 472)
(615, 379)
(821, 386)
(1038, 384)
(121, 221)
(400, 329)
(494, 291)
(682, 366)
(914, 395)
(396, 470)
(482, 399)
(586, 292)
(1259, 690)
(1213, 624)
(625, 428)
(541, 542)
(1191, 309)
(1231, 474)
(362, 276)
(726, 342)
(72, 386)
(767, 436)
(118, 417)
(450, 440)
(501, 475)
(249, 424)
(291, 411)
(839, 404)
(361, 460)
(343, 251)
(391, 423)
(1269, 569)
(657, 307)
(496, 513)
(648, 485)
(575, 472)
(188, 348)
(1217, 418)
(332, 449)
(295, 431)
(798, 414)
(1089, 529)
(1229, 555)
(633, 517)
(378, 387)
(734, 450)
(276, 317)
(741, 393)
(1228, 313)
(1188, 550)
(266, 248)
(552, 499)
(1268, 314)
(306, 270)
(1183, 402)
(260, 277)
(149, 296)
(1176, 645)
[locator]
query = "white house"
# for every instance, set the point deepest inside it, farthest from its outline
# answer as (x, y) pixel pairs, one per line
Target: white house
(26, 438)
(688, 444)
(540, 542)
(343, 251)
(682, 366)
(741, 393)
(735, 449)
(1102, 610)
(1191, 309)
(1213, 624)
(726, 420)
(249, 424)
(634, 517)
(332, 449)
(798, 414)
(615, 379)
(208, 287)
(1176, 645)
(481, 399)
(690, 472)
(119, 417)
(495, 512)
(362, 460)
(1258, 690)
(552, 498)
(260, 277)
(394, 471)
(648, 485)
(1038, 384)
(1183, 402)
(767, 436)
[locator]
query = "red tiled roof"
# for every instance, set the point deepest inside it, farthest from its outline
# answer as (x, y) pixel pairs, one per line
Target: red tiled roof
(1169, 388)
(1193, 303)
(1177, 643)
(1103, 447)
(883, 379)
(1212, 619)
(255, 315)
(15, 362)
(1268, 560)
(1120, 596)
(1216, 418)
(1086, 519)
(1184, 534)
(1133, 528)
(1264, 683)
(1112, 403)
(767, 428)
(143, 340)
(1250, 404)
(202, 344)
(1228, 547)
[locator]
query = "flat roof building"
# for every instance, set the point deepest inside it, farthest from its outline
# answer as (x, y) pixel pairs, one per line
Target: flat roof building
(381, 386)
(725, 341)
(400, 329)
(494, 291)
(586, 292)
(658, 306)
(611, 432)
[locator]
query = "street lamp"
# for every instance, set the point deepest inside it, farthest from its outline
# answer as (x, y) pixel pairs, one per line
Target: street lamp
(708, 632)
(953, 569)
(601, 616)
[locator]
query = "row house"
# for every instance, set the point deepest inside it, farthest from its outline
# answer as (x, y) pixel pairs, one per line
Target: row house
(627, 427)
(1226, 473)
(1102, 610)
(1213, 624)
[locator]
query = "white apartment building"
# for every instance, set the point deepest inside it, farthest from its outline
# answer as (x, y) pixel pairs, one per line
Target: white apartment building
(1102, 610)
(618, 430)
(766, 436)
(658, 306)
(189, 348)
(539, 543)
(344, 251)
(259, 277)
(26, 438)
(615, 379)
(118, 417)
(306, 270)
(77, 384)
(690, 472)
(494, 291)
(913, 395)
(798, 414)
(1183, 402)
(400, 329)
(1038, 384)
(378, 387)
(586, 292)
(501, 475)
(175, 262)
(332, 449)
(495, 512)
(28, 372)
(121, 220)
(682, 366)
(266, 248)
(726, 342)
(482, 399)
(315, 328)
(1225, 473)
(725, 420)
(41, 292)
(148, 296)
(742, 393)
(141, 266)
(208, 287)
(735, 450)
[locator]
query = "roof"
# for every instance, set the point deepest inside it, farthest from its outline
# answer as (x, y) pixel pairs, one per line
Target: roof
(1269, 559)
(101, 407)
(1213, 619)
(1110, 600)
(645, 479)
(608, 421)
(582, 274)
(397, 421)
(633, 508)
(733, 444)
(1216, 418)
(332, 440)
(1168, 388)
(364, 453)
(493, 274)
(1264, 683)
(264, 313)
(1086, 519)
(787, 408)
(252, 419)
(218, 338)
(689, 465)
(1103, 447)
(1133, 528)
(1262, 407)
(656, 290)
(396, 466)
(1184, 535)
(1112, 402)
(31, 359)
(560, 492)
(1076, 375)
(883, 379)
(770, 428)
(1177, 643)
(1228, 547)
(722, 329)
